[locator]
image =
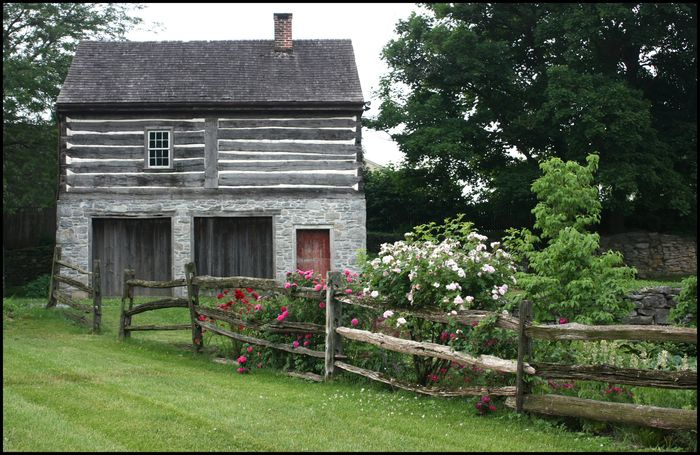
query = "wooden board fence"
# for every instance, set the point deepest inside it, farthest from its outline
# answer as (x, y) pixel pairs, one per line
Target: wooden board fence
(57, 295)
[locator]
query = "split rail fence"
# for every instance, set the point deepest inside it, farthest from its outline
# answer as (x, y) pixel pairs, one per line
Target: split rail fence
(128, 310)
(57, 295)
(519, 396)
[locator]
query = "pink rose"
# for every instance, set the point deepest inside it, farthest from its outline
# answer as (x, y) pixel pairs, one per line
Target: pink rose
(249, 349)
(322, 305)
(318, 287)
(485, 399)
(287, 285)
(258, 307)
(348, 291)
(295, 344)
(563, 321)
(306, 343)
(492, 407)
(242, 359)
(354, 322)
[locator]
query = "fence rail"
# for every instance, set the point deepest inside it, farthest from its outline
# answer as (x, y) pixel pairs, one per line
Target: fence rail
(127, 309)
(56, 295)
(652, 416)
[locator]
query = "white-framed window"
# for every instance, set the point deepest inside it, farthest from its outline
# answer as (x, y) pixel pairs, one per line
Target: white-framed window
(159, 149)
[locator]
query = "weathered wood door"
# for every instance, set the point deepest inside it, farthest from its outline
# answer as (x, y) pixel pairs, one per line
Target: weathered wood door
(141, 244)
(314, 250)
(233, 246)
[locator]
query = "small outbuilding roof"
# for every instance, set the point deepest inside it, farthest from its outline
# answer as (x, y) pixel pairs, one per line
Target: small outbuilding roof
(226, 73)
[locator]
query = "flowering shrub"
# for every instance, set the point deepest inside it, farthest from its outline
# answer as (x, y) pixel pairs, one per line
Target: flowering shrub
(484, 405)
(440, 267)
(254, 310)
(447, 267)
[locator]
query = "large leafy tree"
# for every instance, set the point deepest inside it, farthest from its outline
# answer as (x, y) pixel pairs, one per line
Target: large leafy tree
(39, 41)
(485, 92)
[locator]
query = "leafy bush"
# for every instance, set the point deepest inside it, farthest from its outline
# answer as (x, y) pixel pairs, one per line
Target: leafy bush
(38, 287)
(567, 278)
(686, 311)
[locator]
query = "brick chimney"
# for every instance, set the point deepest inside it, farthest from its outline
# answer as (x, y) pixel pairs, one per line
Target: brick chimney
(283, 32)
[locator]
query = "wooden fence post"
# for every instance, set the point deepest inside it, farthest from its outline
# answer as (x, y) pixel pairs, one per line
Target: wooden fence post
(192, 300)
(55, 268)
(333, 312)
(127, 293)
(96, 297)
(524, 350)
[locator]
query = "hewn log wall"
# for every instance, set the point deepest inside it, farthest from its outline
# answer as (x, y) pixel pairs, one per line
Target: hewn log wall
(246, 151)
(272, 151)
(110, 152)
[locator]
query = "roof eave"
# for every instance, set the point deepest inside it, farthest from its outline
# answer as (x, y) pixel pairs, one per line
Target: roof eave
(211, 106)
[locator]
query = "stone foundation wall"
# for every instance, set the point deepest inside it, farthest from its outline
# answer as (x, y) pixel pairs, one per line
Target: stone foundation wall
(655, 255)
(343, 214)
(652, 305)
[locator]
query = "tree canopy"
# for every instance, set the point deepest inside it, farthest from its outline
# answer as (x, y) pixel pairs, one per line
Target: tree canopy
(39, 41)
(484, 92)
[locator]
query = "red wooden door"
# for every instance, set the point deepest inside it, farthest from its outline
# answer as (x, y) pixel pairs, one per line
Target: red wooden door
(314, 250)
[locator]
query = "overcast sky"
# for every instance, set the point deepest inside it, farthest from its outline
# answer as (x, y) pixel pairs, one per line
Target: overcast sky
(369, 25)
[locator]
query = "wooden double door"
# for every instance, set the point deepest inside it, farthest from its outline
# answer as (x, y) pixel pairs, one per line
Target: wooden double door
(234, 246)
(142, 244)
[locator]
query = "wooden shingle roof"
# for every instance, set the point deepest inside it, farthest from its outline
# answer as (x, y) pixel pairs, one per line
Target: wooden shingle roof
(212, 73)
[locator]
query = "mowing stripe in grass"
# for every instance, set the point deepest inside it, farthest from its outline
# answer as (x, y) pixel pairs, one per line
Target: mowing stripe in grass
(67, 390)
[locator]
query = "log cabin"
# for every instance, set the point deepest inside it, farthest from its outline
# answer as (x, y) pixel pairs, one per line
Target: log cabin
(242, 156)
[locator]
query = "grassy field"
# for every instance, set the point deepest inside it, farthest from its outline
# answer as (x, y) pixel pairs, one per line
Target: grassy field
(67, 390)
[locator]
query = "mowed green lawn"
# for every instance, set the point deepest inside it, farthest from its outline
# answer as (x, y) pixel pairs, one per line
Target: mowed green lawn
(67, 390)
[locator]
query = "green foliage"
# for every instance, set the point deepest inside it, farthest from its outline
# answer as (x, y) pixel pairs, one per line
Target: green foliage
(38, 287)
(470, 82)
(400, 198)
(686, 310)
(39, 40)
(568, 278)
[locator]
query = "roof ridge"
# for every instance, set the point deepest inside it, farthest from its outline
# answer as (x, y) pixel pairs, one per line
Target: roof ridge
(325, 40)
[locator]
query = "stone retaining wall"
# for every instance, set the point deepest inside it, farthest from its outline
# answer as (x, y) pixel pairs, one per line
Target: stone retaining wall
(655, 255)
(652, 305)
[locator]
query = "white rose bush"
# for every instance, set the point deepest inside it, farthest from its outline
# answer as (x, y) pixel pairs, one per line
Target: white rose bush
(441, 268)
(434, 270)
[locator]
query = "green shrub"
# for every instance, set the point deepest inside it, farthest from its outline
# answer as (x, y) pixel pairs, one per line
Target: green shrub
(567, 279)
(686, 311)
(38, 287)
